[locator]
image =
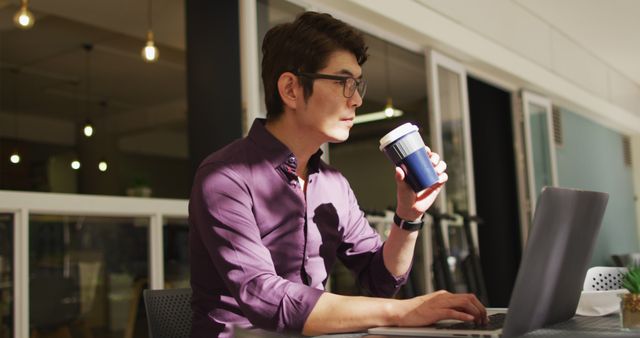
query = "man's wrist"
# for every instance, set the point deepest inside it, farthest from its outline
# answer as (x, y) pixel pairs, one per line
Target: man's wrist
(410, 217)
(408, 225)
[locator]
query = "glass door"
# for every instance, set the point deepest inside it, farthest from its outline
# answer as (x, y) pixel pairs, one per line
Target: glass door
(451, 137)
(539, 145)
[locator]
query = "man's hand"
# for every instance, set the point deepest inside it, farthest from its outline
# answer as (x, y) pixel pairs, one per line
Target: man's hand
(411, 206)
(428, 309)
(334, 313)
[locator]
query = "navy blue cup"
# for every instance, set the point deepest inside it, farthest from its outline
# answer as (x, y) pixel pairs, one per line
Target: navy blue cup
(405, 148)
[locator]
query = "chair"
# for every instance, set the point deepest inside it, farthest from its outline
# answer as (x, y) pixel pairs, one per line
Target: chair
(168, 312)
(603, 278)
(626, 259)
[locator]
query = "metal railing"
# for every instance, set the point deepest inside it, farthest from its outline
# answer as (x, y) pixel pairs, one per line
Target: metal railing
(24, 204)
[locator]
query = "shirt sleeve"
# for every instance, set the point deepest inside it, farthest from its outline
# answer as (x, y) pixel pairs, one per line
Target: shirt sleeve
(229, 231)
(361, 252)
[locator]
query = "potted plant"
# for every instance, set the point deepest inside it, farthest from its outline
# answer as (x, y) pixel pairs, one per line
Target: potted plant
(630, 302)
(140, 188)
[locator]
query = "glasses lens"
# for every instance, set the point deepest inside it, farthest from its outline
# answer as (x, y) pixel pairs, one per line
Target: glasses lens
(362, 87)
(349, 87)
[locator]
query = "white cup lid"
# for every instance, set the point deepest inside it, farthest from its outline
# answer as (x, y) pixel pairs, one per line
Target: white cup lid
(397, 133)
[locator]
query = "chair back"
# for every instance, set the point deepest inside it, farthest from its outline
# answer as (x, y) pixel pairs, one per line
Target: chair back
(603, 278)
(630, 259)
(168, 312)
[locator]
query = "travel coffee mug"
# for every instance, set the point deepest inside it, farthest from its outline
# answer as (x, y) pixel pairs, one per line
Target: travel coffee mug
(405, 148)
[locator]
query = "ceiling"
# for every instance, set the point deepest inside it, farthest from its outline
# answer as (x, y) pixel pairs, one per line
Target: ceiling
(46, 71)
(609, 29)
(605, 29)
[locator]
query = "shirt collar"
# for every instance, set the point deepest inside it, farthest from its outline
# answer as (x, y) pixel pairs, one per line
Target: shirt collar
(273, 150)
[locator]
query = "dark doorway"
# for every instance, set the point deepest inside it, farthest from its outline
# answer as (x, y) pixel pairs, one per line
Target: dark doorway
(496, 188)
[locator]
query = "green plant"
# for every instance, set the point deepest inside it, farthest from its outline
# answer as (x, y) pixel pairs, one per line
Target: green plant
(631, 279)
(630, 302)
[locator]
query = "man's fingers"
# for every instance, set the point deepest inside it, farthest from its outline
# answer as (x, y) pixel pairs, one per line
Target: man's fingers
(464, 303)
(481, 307)
(442, 178)
(467, 303)
(399, 174)
(452, 314)
(435, 158)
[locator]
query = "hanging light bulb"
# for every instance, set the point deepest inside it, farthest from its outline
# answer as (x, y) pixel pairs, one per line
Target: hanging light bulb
(388, 109)
(75, 164)
(150, 52)
(88, 129)
(24, 18)
(15, 157)
(102, 166)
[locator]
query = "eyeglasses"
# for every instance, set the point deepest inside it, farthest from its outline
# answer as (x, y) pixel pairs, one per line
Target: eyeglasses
(349, 84)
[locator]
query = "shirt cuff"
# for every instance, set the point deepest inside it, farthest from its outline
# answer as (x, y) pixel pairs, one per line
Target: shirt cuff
(298, 302)
(384, 283)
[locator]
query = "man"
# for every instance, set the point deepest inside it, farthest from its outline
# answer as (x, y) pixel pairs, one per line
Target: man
(269, 218)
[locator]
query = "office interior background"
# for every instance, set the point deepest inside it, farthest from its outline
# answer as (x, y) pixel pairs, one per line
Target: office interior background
(515, 95)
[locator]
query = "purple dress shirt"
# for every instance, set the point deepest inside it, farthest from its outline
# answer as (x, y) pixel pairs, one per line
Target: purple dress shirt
(260, 251)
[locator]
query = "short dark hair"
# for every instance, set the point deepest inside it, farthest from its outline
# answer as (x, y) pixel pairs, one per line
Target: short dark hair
(304, 45)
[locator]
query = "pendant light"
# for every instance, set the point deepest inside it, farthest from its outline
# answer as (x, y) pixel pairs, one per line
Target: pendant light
(150, 52)
(14, 158)
(102, 165)
(24, 18)
(389, 111)
(88, 129)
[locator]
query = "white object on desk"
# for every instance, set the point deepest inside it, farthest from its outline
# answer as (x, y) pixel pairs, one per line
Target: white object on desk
(599, 303)
(601, 291)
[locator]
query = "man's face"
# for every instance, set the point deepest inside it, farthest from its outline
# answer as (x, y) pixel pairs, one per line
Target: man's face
(328, 115)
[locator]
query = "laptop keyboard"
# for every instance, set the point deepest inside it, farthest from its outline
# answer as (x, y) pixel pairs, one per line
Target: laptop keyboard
(496, 321)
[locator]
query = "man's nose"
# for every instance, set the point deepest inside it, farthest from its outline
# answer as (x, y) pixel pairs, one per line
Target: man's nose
(356, 99)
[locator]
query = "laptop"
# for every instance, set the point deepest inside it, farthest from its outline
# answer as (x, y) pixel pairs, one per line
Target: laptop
(552, 270)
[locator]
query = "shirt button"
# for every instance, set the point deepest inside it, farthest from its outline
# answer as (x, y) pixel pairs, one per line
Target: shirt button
(306, 258)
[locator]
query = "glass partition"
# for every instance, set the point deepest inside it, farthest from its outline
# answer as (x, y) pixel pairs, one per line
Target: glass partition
(6, 275)
(270, 13)
(454, 152)
(451, 137)
(539, 144)
(76, 66)
(86, 275)
(539, 139)
(176, 253)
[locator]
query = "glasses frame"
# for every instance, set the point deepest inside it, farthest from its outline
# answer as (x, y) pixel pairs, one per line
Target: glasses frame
(359, 85)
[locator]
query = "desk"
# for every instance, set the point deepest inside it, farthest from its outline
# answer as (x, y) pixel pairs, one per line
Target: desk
(578, 326)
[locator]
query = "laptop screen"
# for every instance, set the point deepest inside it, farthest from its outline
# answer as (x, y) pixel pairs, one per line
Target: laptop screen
(556, 258)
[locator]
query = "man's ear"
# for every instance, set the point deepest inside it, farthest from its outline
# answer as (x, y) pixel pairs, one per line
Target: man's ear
(288, 88)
